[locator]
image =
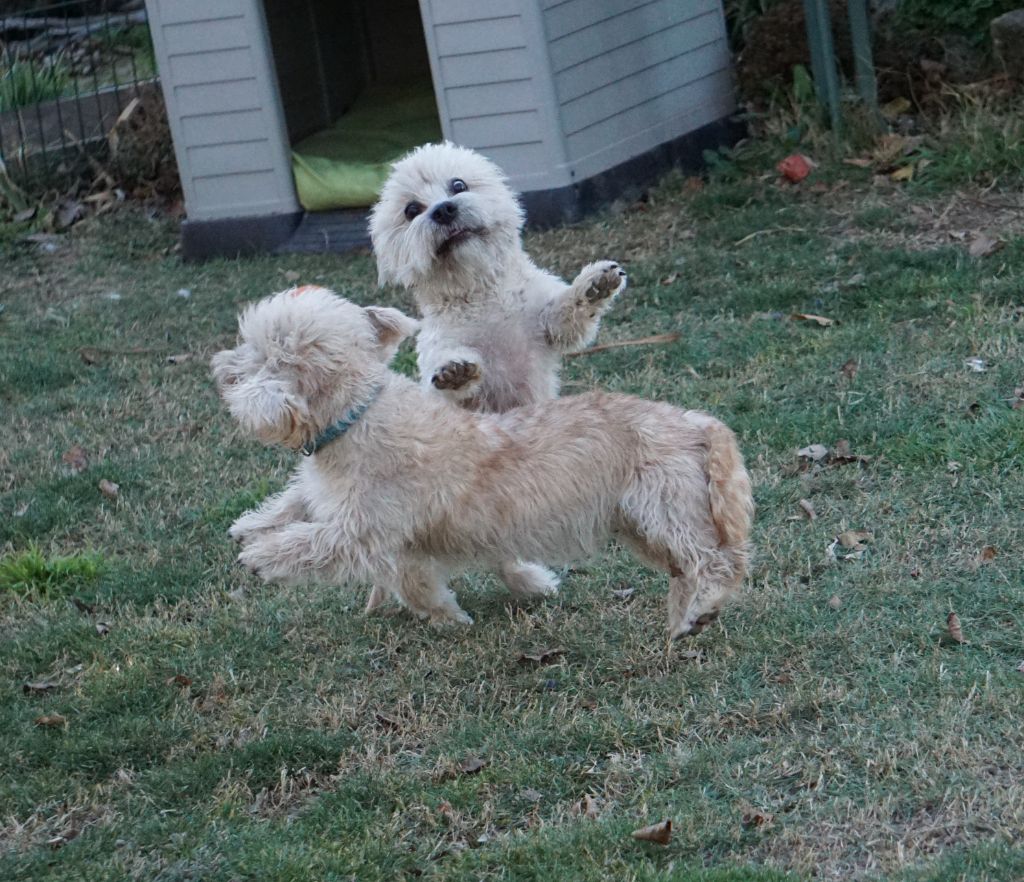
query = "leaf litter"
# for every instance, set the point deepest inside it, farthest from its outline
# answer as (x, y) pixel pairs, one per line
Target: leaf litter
(660, 833)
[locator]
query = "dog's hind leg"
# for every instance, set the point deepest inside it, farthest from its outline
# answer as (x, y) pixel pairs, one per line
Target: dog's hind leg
(700, 580)
(422, 586)
(525, 579)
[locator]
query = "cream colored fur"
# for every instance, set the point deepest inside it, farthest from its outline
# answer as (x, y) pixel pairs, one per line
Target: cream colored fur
(418, 491)
(495, 326)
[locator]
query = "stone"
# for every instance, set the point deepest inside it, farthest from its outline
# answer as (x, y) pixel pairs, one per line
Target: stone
(1008, 42)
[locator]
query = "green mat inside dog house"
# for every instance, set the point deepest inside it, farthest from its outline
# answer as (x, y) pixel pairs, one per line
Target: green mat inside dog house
(286, 113)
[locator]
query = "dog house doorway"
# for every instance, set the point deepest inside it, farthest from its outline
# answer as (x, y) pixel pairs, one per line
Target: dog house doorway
(356, 89)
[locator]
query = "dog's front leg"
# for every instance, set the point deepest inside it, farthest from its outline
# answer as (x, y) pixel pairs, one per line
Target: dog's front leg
(320, 552)
(571, 317)
(454, 371)
(273, 513)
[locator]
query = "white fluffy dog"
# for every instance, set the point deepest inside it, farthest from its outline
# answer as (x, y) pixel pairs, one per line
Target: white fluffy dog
(404, 490)
(495, 326)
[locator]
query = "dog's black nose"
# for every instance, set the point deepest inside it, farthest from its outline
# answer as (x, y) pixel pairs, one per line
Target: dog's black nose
(444, 213)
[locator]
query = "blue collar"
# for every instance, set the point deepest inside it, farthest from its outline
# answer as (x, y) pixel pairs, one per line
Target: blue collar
(339, 428)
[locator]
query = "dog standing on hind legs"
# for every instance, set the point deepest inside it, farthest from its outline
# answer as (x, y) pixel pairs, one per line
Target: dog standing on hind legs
(407, 491)
(495, 326)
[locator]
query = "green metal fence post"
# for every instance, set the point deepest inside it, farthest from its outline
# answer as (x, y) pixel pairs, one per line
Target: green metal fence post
(823, 57)
(864, 64)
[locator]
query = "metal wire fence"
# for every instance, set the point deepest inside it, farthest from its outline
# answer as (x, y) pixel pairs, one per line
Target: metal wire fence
(68, 71)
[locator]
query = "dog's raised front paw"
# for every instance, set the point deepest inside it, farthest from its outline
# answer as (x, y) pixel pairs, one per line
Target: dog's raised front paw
(455, 375)
(601, 280)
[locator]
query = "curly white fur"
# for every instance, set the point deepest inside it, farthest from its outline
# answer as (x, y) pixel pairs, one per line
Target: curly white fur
(483, 300)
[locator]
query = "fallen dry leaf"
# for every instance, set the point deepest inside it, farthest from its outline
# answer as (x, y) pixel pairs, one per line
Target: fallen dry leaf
(988, 553)
(835, 601)
(756, 818)
(859, 162)
(52, 721)
(659, 833)
(850, 368)
(976, 364)
(808, 508)
(982, 245)
(90, 355)
(1017, 401)
(181, 358)
(813, 452)
(387, 723)
(589, 806)
(669, 279)
(1020, 667)
(830, 552)
(103, 628)
(531, 795)
(109, 489)
(903, 173)
(795, 167)
(820, 320)
(68, 212)
(624, 593)
(541, 657)
(842, 455)
(955, 631)
(472, 765)
(38, 687)
(896, 107)
(854, 539)
(179, 680)
(76, 459)
(891, 147)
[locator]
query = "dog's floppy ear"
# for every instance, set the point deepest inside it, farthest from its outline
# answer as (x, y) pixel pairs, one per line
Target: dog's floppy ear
(391, 326)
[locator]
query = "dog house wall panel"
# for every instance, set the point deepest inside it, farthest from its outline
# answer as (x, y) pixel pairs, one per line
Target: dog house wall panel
(223, 107)
(501, 99)
(632, 74)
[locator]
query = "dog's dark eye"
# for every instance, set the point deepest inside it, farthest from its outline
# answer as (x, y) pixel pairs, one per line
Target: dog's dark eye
(412, 209)
(457, 185)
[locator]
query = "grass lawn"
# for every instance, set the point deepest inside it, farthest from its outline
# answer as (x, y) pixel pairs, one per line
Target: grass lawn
(203, 726)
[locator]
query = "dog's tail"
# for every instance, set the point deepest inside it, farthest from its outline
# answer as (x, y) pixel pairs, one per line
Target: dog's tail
(732, 503)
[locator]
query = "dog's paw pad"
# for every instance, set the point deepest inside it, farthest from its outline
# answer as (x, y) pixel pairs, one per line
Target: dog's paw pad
(455, 375)
(608, 278)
